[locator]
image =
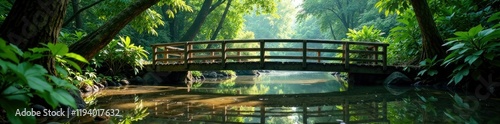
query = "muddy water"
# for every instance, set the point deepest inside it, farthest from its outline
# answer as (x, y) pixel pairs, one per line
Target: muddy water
(299, 97)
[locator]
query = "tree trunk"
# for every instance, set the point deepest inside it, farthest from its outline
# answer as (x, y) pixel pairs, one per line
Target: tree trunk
(431, 39)
(32, 22)
(198, 22)
(91, 44)
(221, 23)
(78, 17)
(41, 23)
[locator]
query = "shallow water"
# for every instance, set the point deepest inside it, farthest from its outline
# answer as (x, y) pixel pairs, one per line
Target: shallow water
(299, 97)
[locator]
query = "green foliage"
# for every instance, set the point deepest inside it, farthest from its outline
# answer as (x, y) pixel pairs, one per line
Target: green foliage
(405, 43)
(473, 51)
(228, 72)
(21, 78)
(462, 111)
(139, 113)
(429, 66)
(366, 34)
(69, 38)
(392, 6)
(120, 56)
(196, 74)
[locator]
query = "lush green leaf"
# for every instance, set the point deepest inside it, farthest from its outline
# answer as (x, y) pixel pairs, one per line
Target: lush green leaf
(471, 59)
(456, 46)
(74, 65)
(58, 49)
(475, 30)
(64, 97)
(77, 57)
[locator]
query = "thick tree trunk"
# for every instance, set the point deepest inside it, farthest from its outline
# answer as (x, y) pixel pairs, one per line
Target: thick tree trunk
(33, 22)
(198, 22)
(431, 39)
(30, 23)
(78, 17)
(91, 44)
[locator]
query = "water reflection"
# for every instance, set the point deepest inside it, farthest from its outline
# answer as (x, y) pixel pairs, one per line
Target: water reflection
(275, 82)
(347, 112)
(279, 102)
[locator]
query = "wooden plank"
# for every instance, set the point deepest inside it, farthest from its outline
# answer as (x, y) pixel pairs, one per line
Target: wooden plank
(384, 57)
(223, 54)
(365, 60)
(262, 53)
(325, 50)
(242, 57)
(186, 55)
(170, 59)
(205, 57)
(203, 50)
(205, 42)
(324, 58)
(366, 51)
(170, 52)
(242, 49)
(284, 49)
(346, 53)
(304, 54)
(283, 57)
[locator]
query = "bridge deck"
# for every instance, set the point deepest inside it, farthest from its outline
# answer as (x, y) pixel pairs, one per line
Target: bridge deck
(329, 67)
(270, 54)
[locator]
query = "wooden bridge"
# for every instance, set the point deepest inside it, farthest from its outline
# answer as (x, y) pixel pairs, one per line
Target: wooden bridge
(272, 54)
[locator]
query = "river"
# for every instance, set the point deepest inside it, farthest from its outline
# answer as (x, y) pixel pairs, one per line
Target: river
(282, 97)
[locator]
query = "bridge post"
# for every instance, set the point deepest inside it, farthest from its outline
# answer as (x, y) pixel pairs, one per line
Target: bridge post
(384, 57)
(186, 55)
(262, 53)
(154, 57)
(346, 55)
(304, 54)
(223, 52)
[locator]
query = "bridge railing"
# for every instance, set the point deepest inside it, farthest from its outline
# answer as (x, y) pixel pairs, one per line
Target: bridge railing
(321, 51)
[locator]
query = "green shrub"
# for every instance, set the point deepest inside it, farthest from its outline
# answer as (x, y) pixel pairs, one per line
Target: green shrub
(228, 72)
(120, 56)
(475, 51)
(21, 78)
(196, 73)
(366, 34)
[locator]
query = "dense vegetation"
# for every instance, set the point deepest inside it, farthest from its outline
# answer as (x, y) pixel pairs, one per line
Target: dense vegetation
(455, 41)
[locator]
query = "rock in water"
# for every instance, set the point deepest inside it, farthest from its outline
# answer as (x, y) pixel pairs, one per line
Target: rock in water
(398, 78)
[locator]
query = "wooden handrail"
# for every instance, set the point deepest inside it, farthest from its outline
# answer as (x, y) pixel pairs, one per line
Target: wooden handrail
(173, 52)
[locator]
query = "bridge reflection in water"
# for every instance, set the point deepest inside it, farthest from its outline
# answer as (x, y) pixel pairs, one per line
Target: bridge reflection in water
(346, 112)
(355, 106)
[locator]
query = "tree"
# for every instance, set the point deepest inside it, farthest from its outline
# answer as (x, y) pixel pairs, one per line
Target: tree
(344, 13)
(431, 39)
(90, 45)
(206, 9)
(29, 28)
(221, 22)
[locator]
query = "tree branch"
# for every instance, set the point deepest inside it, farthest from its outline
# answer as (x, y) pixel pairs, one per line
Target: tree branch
(80, 11)
(218, 3)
